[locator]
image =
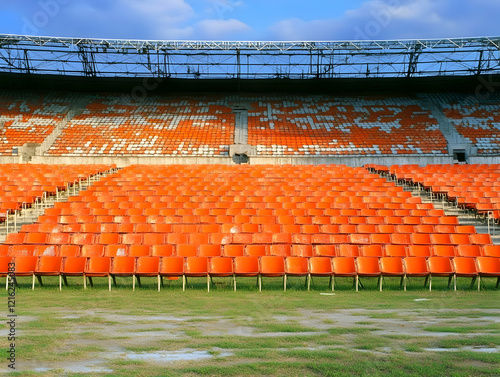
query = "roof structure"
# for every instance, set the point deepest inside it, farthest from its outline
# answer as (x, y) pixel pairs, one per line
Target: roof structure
(249, 60)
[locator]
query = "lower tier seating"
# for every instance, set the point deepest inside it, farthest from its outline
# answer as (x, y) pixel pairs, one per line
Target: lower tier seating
(203, 220)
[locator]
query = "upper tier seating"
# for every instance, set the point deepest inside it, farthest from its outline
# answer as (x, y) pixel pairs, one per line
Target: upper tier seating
(326, 125)
(176, 126)
(28, 118)
(478, 120)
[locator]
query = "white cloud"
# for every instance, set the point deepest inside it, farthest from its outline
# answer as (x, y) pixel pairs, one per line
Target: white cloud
(221, 29)
(397, 19)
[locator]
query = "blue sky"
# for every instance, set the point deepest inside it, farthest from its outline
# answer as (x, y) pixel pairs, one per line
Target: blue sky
(251, 19)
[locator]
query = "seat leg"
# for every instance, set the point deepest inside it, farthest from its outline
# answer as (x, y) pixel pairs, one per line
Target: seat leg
(133, 283)
(234, 282)
(159, 282)
(284, 283)
(33, 283)
(404, 282)
(208, 283)
(114, 280)
(7, 282)
(139, 281)
(84, 282)
(109, 282)
(357, 283)
(426, 280)
(309, 282)
(498, 282)
(40, 280)
(473, 281)
(332, 282)
(259, 280)
(381, 280)
(479, 283)
(183, 283)
(65, 281)
(449, 281)
(60, 283)
(430, 283)
(455, 282)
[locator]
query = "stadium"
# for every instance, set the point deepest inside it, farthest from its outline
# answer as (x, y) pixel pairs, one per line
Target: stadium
(339, 201)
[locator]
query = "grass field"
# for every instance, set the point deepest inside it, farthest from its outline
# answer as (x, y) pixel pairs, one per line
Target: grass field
(247, 333)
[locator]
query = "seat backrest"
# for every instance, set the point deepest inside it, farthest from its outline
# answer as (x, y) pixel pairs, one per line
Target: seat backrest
(440, 265)
(465, 266)
(392, 265)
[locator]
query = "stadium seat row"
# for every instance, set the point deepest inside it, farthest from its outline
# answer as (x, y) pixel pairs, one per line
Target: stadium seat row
(265, 266)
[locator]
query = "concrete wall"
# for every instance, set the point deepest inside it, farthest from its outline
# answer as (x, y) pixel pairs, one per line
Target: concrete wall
(130, 160)
(11, 159)
(254, 160)
(484, 160)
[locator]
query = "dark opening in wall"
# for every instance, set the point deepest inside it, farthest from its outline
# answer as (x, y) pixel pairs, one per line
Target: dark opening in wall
(240, 158)
(459, 155)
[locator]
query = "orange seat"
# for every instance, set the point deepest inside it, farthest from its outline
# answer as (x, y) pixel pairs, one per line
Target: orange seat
(196, 267)
(46, 250)
(69, 251)
(97, 267)
(122, 266)
(6, 268)
(162, 250)
(147, 267)
(272, 266)
(440, 266)
(92, 251)
(71, 266)
(465, 267)
(367, 267)
(172, 267)
(320, 266)
(221, 267)
(372, 251)
(443, 251)
(25, 266)
(210, 250)
(138, 251)
(469, 251)
(47, 266)
(416, 266)
(296, 266)
(491, 251)
(343, 267)
(392, 266)
(488, 267)
(233, 250)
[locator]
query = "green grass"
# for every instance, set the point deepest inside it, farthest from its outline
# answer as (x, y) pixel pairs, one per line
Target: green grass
(59, 328)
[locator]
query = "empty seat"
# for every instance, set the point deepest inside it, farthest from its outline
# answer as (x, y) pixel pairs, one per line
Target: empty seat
(344, 267)
(416, 266)
(296, 266)
(488, 267)
(172, 267)
(246, 267)
(221, 267)
(367, 267)
(71, 266)
(465, 267)
(146, 267)
(47, 266)
(197, 267)
(97, 267)
(272, 266)
(392, 266)
(440, 266)
(320, 266)
(122, 266)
